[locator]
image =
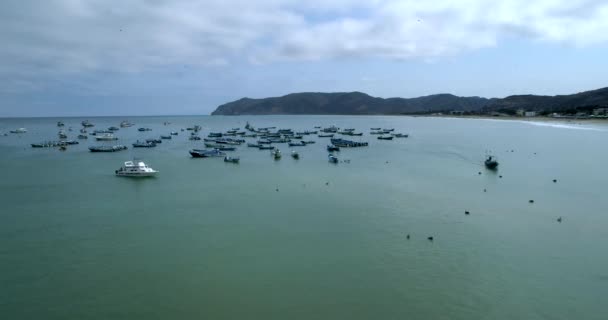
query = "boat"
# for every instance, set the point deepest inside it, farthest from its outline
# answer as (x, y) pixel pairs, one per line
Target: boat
(220, 147)
(328, 135)
(135, 168)
(144, 129)
(376, 132)
(332, 129)
(166, 137)
(143, 144)
(297, 144)
(87, 124)
(385, 138)
(388, 130)
(265, 147)
(253, 145)
(83, 130)
(194, 137)
(332, 148)
(83, 136)
(62, 134)
(197, 153)
(106, 137)
(400, 135)
(264, 141)
(276, 154)
(280, 140)
(48, 144)
(347, 143)
(215, 135)
(69, 142)
(375, 128)
(125, 124)
(154, 140)
(107, 148)
(113, 128)
(297, 137)
(20, 130)
(309, 142)
(295, 155)
(60, 124)
(231, 159)
(332, 158)
(491, 163)
(173, 133)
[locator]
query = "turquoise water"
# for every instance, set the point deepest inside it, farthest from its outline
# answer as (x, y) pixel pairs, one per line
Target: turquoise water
(206, 239)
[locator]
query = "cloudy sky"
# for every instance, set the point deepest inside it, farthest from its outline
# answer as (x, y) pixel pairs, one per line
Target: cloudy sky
(132, 57)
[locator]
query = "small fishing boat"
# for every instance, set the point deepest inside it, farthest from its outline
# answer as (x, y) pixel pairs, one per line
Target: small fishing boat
(375, 128)
(107, 148)
(125, 124)
(265, 147)
(297, 144)
(388, 130)
(60, 124)
(400, 135)
(83, 136)
(232, 159)
(491, 163)
(83, 130)
(135, 168)
(332, 148)
(220, 147)
(348, 143)
(20, 130)
(144, 129)
(113, 128)
(154, 140)
(194, 137)
(327, 135)
(332, 158)
(87, 124)
(62, 134)
(253, 145)
(215, 135)
(197, 153)
(144, 144)
(173, 133)
(166, 137)
(295, 155)
(309, 142)
(276, 154)
(105, 137)
(385, 138)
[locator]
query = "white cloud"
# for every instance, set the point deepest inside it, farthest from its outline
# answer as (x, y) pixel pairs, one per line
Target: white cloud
(76, 36)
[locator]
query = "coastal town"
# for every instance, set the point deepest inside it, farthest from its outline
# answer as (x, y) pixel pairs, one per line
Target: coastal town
(578, 113)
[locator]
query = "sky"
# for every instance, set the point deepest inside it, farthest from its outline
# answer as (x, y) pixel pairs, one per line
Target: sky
(155, 57)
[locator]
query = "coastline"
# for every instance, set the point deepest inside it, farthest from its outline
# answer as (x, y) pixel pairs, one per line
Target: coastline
(526, 119)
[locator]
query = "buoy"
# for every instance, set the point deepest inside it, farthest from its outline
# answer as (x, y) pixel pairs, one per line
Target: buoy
(484, 190)
(277, 189)
(531, 201)
(326, 183)
(554, 180)
(479, 172)
(466, 212)
(500, 176)
(407, 237)
(430, 238)
(559, 219)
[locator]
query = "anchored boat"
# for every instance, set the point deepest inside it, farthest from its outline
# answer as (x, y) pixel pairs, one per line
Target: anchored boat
(135, 169)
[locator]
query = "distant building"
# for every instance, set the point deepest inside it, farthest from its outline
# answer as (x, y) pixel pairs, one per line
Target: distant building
(457, 113)
(530, 114)
(520, 112)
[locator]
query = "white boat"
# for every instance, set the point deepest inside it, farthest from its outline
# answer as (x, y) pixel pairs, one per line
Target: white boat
(20, 130)
(135, 168)
(62, 134)
(106, 137)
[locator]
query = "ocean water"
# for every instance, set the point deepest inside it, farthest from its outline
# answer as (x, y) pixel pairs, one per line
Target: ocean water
(306, 239)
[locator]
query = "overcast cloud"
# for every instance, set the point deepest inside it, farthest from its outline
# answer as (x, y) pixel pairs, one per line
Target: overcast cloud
(53, 38)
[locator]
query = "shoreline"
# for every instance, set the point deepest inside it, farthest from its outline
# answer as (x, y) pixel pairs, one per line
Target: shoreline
(525, 119)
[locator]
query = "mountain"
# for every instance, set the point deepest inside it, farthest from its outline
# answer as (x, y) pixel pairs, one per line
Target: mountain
(361, 103)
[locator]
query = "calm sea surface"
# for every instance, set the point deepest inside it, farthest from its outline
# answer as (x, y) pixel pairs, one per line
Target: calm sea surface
(211, 240)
